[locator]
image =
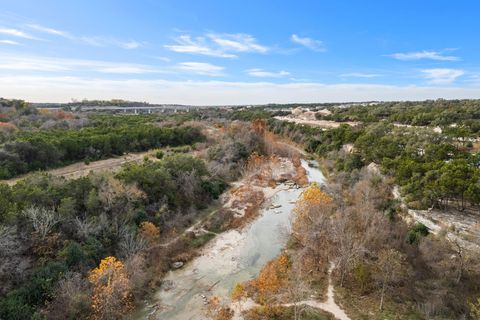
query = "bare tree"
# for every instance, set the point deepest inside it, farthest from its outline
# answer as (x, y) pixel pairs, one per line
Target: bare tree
(349, 244)
(188, 182)
(71, 298)
(461, 258)
(85, 228)
(390, 265)
(117, 196)
(297, 289)
(132, 244)
(43, 220)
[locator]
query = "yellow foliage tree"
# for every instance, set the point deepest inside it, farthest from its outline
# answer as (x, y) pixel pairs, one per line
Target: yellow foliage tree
(149, 231)
(238, 292)
(111, 297)
(313, 196)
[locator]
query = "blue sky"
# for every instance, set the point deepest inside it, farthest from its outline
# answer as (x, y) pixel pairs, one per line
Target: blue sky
(234, 52)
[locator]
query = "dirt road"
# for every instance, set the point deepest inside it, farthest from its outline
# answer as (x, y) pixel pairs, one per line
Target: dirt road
(80, 169)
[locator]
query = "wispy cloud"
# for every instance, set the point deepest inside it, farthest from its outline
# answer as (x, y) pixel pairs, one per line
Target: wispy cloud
(217, 45)
(418, 55)
(185, 44)
(48, 30)
(238, 42)
(132, 44)
(360, 75)
(125, 69)
(47, 64)
(100, 41)
(266, 74)
(17, 33)
(164, 59)
(35, 29)
(315, 45)
(442, 75)
(9, 42)
(201, 68)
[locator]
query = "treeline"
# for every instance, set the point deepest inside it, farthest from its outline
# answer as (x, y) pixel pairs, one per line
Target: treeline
(418, 113)
(39, 150)
(432, 169)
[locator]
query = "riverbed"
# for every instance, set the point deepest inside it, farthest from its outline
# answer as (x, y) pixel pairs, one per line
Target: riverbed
(233, 256)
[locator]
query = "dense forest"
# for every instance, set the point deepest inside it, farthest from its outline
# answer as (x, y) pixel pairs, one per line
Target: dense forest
(30, 149)
(417, 113)
(60, 237)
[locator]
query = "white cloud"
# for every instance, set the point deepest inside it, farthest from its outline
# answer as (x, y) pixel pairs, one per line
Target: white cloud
(132, 44)
(185, 44)
(126, 69)
(99, 41)
(432, 55)
(48, 30)
(475, 78)
(360, 75)
(164, 59)
(442, 75)
(238, 42)
(63, 89)
(267, 74)
(217, 45)
(47, 64)
(10, 42)
(315, 45)
(201, 68)
(17, 33)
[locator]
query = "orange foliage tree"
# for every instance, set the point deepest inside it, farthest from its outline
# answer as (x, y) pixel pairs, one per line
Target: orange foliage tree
(272, 278)
(111, 297)
(149, 231)
(259, 126)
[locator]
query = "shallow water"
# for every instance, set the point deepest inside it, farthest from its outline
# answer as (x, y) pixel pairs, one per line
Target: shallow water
(231, 257)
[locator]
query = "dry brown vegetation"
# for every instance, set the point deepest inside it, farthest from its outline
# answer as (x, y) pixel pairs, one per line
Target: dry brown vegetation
(378, 273)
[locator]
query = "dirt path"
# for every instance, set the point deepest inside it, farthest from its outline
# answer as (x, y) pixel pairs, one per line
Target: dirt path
(326, 124)
(328, 305)
(80, 169)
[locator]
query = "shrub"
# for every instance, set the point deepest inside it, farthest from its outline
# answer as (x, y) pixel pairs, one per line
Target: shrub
(418, 231)
(72, 253)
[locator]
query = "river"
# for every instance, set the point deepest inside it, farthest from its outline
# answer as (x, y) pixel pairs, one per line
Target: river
(233, 256)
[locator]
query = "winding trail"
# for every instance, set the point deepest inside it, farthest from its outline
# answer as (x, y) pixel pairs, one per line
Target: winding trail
(328, 305)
